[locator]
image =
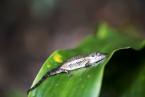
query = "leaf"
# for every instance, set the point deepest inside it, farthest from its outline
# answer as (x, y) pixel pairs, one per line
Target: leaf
(125, 75)
(83, 82)
(137, 87)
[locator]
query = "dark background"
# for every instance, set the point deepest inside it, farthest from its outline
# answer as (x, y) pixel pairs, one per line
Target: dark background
(30, 30)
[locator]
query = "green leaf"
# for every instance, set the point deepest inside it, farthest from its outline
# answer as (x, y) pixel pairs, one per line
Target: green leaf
(83, 82)
(125, 75)
(137, 87)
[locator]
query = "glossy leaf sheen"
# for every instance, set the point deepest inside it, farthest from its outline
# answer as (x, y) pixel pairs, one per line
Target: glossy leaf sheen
(83, 82)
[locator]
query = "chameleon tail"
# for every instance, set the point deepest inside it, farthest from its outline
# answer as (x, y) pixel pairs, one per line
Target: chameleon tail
(37, 84)
(48, 74)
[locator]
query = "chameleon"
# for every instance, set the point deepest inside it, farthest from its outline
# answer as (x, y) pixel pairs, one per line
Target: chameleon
(71, 64)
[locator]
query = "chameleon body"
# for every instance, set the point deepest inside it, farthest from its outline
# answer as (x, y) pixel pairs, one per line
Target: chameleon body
(72, 64)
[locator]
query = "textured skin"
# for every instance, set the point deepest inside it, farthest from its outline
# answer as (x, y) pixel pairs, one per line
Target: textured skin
(77, 63)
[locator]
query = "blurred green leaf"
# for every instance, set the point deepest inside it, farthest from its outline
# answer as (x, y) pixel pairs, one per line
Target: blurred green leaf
(83, 82)
(137, 87)
(125, 75)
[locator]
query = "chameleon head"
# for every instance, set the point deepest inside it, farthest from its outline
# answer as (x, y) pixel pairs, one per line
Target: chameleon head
(96, 57)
